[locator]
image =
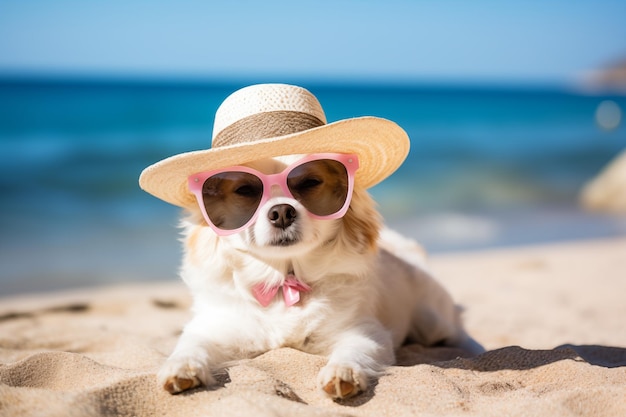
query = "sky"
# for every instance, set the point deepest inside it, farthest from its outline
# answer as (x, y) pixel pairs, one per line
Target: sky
(392, 40)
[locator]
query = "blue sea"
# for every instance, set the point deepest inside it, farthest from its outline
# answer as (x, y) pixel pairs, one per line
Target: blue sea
(488, 167)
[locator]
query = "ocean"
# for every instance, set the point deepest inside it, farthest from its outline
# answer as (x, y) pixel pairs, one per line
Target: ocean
(488, 167)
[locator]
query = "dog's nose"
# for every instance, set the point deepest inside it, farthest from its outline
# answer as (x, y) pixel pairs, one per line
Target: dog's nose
(282, 215)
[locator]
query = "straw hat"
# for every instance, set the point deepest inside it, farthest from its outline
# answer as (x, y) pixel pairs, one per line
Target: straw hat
(268, 120)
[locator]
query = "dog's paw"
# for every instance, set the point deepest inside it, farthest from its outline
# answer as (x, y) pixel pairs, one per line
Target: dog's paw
(179, 374)
(342, 381)
(176, 384)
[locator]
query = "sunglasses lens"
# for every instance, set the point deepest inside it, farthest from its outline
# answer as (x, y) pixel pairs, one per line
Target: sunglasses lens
(231, 198)
(321, 186)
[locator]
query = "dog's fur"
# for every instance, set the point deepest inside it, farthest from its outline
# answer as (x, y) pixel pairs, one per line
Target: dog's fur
(369, 293)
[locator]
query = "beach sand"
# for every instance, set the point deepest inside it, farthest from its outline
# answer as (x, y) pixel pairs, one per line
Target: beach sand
(553, 319)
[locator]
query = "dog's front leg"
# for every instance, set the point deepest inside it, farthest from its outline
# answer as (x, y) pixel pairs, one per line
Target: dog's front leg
(188, 366)
(194, 359)
(358, 355)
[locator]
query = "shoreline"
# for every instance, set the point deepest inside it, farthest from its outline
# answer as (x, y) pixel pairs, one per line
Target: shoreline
(94, 260)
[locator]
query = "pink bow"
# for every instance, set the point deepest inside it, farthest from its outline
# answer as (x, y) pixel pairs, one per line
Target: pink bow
(291, 291)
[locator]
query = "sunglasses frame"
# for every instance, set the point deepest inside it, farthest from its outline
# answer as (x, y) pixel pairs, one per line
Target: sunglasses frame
(349, 161)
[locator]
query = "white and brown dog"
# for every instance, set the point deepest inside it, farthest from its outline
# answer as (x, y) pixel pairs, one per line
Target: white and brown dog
(289, 251)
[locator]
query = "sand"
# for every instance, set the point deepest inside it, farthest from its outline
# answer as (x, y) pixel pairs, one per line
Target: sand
(552, 317)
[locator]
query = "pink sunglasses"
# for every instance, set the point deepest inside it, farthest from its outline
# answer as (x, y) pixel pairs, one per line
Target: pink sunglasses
(230, 198)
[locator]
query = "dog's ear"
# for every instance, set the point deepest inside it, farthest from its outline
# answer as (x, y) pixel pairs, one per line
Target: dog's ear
(193, 227)
(362, 222)
(194, 215)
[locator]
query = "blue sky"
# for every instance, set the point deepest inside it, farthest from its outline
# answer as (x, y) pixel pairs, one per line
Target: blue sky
(438, 40)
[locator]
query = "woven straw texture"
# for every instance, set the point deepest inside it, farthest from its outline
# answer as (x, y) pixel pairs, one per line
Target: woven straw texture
(245, 129)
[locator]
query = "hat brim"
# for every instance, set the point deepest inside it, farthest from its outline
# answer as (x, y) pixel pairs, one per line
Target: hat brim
(381, 145)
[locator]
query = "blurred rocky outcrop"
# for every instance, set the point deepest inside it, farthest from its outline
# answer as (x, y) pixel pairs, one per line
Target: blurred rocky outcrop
(607, 191)
(611, 78)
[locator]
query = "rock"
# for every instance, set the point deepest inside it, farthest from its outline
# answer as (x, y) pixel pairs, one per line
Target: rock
(607, 191)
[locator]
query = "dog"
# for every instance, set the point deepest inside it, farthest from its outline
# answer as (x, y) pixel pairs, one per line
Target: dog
(354, 291)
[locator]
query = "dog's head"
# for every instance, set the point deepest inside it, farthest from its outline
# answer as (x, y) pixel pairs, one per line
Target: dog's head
(285, 229)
